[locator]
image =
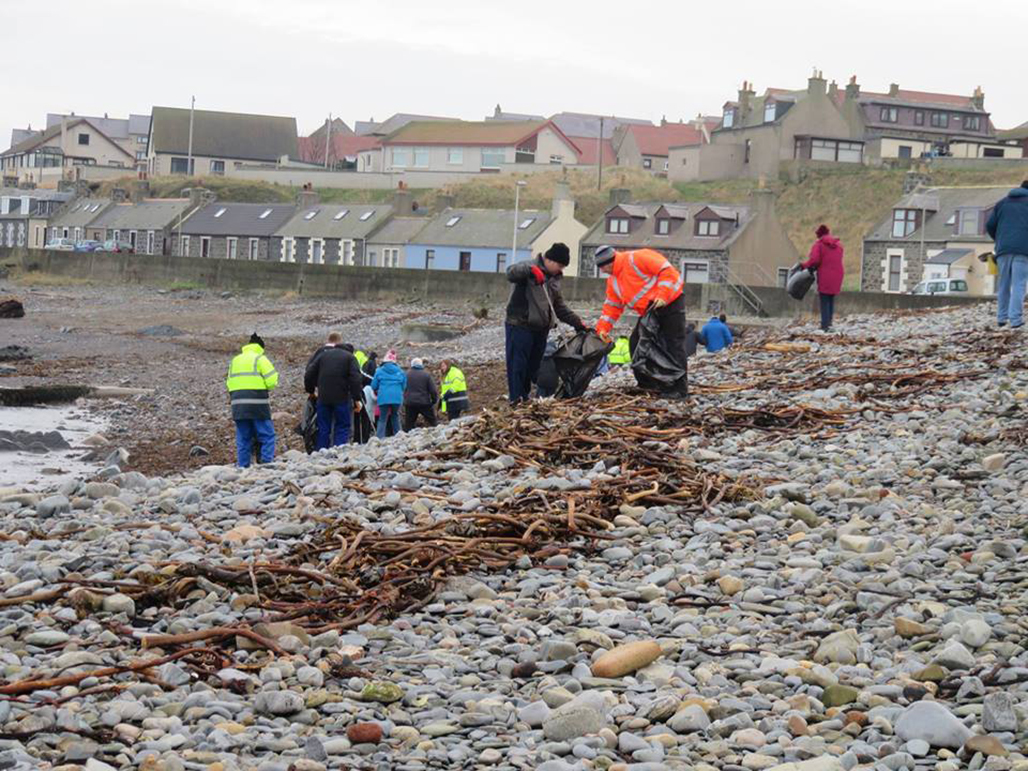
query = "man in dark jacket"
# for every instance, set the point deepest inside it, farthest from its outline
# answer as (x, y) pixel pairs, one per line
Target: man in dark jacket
(693, 339)
(420, 397)
(534, 307)
(335, 374)
(1008, 227)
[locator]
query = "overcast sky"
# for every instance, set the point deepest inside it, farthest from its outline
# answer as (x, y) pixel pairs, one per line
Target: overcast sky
(358, 60)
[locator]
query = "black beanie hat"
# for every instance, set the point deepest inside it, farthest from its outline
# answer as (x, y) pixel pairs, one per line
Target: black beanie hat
(559, 253)
(256, 339)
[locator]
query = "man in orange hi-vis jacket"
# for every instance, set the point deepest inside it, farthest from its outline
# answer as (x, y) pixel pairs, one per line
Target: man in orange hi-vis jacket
(643, 279)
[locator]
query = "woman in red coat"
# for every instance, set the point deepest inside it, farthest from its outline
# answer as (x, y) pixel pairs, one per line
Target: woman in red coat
(826, 259)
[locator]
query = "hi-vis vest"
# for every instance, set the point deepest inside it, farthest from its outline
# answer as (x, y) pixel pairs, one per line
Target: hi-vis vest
(362, 359)
(638, 278)
(454, 390)
(251, 375)
(621, 354)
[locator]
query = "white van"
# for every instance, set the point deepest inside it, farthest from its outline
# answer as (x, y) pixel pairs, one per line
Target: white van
(943, 286)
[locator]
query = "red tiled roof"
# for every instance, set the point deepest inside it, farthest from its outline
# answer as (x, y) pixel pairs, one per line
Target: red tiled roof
(312, 150)
(587, 148)
(655, 140)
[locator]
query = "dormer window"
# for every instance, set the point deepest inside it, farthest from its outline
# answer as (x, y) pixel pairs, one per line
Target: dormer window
(729, 119)
(709, 228)
(889, 115)
(972, 123)
(940, 120)
(617, 225)
(969, 222)
(770, 111)
(663, 226)
(904, 222)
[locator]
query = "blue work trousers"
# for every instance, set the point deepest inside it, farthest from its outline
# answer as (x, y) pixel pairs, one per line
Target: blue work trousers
(525, 349)
(249, 431)
(1010, 288)
(337, 417)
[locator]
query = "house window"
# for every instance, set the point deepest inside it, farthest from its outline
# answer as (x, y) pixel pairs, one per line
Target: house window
(181, 166)
(218, 167)
(465, 261)
(401, 158)
(836, 151)
(339, 215)
(311, 214)
(746, 153)
(140, 155)
(232, 248)
(421, 157)
(783, 277)
(205, 246)
(526, 223)
(183, 247)
(78, 234)
(617, 225)
(37, 240)
(83, 139)
(905, 151)
(151, 240)
(429, 259)
(501, 262)
(452, 221)
(940, 120)
(455, 156)
(993, 152)
(708, 227)
(969, 222)
(695, 272)
(64, 232)
(133, 239)
(493, 157)
(255, 245)
(889, 115)
(367, 215)
(918, 117)
(665, 165)
(904, 222)
(346, 252)
(647, 163)
(287, 250)
(556, 160)
(972, 123)
(895, 271)
(317, 249)
(663, 226)
(769, 112)
(728, 119)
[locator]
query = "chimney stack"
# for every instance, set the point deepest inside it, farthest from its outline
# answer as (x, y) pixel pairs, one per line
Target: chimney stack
(403, 203)
(816, 84)
(833, 90)
(119, 195)
(914, 179)
(620, 195)
(140, 190)
(307, 197)
(563, 207)
(978, 99)
(443, 202)
(199, 196)
(894, 89)
(746, 94)
(853, 88)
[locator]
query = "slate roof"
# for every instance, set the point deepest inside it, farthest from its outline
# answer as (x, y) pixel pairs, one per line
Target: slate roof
(400, 230)
(330, 221)
(36, 139)
(483, 228)
(1018, 132)
(391, 124)
(151, 214)
(81, 212)
(949, 256)
(922, 98)
(582, 124)
(946, 202)
(498, 133)
(224, 134)
(238, 219)
(115, 128)
(39, 194)
(681, 236)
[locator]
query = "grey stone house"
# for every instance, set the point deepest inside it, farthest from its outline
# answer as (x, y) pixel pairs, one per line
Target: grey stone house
(74, 220)
(387, 246)
(331, 234)
(24, 214)
(147, 225)
(708, 242)
(234, 231)
(931, 233)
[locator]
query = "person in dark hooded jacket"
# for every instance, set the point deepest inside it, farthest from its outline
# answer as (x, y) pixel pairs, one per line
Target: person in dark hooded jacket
(334, 373)
(1008, 226)
(826, 258)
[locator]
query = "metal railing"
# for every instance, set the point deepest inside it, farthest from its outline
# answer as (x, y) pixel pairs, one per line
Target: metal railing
(746, 294)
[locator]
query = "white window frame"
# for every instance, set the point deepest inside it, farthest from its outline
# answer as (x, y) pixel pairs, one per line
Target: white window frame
(617, 225)
(886, 270)
(232, 248)
(151, 241)
(134, 240)
(968, 217)
(556, 160)
(255, 249)
(346, 251)
(183, 246)
(117, 235)
(708, 228)
(905, 225)
(288, 253)
(770, 111)
(666, 165)
(728, 119)
(400, 157)
(421, 158)
(219, 173)
(663, 226)
(320, 243)
(20, 240)
(205, 246)
(783, 277)
(693, 268)
(501, 262)
(455, 156)
(494, 153)
(53, 234)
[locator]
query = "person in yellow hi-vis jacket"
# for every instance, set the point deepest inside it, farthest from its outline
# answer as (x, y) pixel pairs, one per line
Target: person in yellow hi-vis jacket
(454, 392)
(251, 378)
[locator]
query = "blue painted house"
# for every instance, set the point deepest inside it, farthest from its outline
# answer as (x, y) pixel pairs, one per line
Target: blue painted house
(482, 239)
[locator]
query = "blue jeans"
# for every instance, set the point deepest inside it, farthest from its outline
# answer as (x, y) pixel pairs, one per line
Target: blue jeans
(328, 414)
(263, 431)
(827, 310)
(1010, 288)
(525, 349)
(388, 414)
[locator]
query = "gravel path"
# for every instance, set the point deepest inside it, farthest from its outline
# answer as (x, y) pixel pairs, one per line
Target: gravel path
(868, 609)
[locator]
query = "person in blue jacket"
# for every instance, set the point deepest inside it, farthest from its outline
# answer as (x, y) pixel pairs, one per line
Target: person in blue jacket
(1008, 227)
(717, 334)
(389, 384)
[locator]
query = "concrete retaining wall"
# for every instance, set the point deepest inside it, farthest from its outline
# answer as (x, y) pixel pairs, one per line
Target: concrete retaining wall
(346, 282)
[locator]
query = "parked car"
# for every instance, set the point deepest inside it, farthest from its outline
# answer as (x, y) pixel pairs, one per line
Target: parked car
(118, 247)
(943, 286)
(88, 246)
(61, 245)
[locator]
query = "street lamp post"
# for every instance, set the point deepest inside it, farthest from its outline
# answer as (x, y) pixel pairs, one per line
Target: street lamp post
(517, 200)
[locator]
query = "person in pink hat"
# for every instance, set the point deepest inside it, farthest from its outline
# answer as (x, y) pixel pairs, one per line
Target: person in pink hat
(389, 385)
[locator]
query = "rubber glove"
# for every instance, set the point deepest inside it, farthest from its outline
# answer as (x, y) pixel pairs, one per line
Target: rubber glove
(538, 275)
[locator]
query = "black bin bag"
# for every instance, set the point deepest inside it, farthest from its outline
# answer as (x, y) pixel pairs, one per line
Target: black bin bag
(654, 367)
(577, 361)
(799, 282)
(308, 427)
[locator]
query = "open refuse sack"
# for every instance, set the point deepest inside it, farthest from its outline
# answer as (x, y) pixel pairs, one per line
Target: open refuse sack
(308, 426)
(799, 282)
(577, 360)
(653, 364)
